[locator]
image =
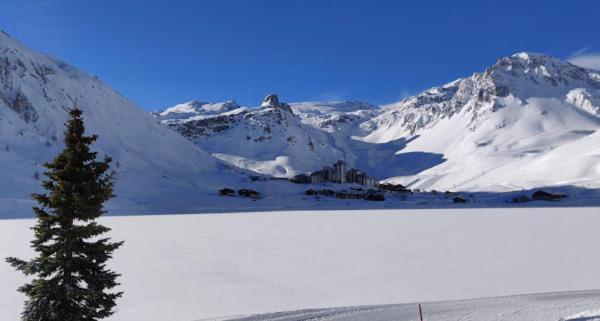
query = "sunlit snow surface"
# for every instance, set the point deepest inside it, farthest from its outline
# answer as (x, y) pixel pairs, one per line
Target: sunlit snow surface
(192, 267)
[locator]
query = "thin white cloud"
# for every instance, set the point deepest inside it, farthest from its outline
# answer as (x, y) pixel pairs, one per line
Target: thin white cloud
(580, 52)
(585, 58)
(36, 4)
(332, 96)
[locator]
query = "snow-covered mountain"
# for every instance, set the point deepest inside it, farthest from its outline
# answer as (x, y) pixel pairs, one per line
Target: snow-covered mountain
(156, 168)
(522, 76)
(276, 138)
(529, 120)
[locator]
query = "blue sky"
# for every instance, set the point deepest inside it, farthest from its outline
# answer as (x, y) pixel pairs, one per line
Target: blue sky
(159, 53)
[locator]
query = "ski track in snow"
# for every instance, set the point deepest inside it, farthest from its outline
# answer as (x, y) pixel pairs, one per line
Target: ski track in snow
(531, 307)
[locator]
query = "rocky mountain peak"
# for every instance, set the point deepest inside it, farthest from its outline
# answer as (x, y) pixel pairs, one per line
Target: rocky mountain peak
(529, 60)
(526, 74)
(272, 101)
(519, 77)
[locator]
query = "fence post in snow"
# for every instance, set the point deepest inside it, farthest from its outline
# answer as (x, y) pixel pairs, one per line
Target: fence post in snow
(420, 312)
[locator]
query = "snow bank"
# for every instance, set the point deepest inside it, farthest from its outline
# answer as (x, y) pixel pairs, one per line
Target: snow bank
(584, 316)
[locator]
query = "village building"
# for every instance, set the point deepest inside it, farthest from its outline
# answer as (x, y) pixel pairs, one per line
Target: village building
(340, 173)
(317, 178)
(339, 170)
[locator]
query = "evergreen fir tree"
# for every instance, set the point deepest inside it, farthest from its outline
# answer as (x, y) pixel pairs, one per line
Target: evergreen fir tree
(70, 279)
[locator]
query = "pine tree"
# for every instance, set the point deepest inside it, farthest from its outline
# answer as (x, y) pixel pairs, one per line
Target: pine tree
(70, 279)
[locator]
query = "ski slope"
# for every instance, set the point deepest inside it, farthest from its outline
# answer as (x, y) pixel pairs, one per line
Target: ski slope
(193, 267)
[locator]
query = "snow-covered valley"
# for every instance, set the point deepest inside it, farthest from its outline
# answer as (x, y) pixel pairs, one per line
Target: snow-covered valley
(529, 121)
(193, 267)
(299, 160)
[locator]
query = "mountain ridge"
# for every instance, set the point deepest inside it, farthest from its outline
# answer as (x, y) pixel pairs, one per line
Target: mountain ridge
(527, 121)
(526, 104)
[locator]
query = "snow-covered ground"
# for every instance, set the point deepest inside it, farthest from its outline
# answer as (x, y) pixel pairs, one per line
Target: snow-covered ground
(192, 267)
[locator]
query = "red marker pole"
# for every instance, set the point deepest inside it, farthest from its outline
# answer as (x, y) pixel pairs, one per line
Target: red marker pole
(420, 312)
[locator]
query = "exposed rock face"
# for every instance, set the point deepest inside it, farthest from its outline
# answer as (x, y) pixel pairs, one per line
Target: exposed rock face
(22, 106)
(199, 123)
(202, 127)
(545, 196)
(195, 120)
(272, 101)
(11, 95)
(245, 192)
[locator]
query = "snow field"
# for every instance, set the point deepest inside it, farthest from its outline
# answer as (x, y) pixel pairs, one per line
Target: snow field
(190, 267)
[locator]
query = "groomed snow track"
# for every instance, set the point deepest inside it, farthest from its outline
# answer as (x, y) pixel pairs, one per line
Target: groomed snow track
(531, 307)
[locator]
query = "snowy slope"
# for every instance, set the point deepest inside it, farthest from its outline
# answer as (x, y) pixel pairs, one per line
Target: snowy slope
(153, 164)
(522, 76)
(530, 120)
(195, 110)
(209, 266)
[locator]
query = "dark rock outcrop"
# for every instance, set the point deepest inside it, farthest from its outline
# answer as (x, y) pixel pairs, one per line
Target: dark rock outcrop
(227, 192)
(244, 192)
(545, 196)
(272, 101)
(521, 199)
(459, 200)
